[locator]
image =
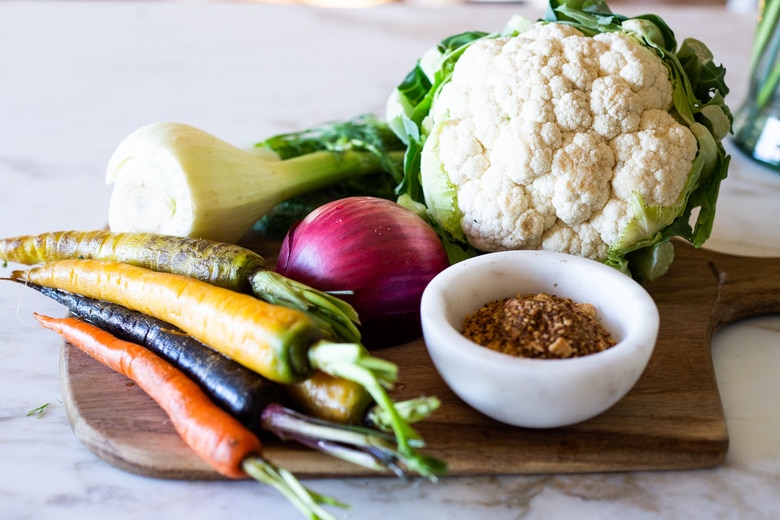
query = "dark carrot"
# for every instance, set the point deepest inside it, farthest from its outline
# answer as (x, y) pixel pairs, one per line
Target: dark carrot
(279, 343)
(225, 265)
(252, 399)
(213, 434)
(240, 391)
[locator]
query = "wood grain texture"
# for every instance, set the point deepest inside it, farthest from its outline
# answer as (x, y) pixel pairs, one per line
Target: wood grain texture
(671, 420)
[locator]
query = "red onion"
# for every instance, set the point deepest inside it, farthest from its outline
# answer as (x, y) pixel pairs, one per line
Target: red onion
(380, 254)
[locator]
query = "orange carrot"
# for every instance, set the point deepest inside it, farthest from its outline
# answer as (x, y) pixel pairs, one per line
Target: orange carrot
(213, 434)
(210, 432)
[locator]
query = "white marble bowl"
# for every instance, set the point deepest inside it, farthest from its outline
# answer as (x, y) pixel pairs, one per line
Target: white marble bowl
(538, 393)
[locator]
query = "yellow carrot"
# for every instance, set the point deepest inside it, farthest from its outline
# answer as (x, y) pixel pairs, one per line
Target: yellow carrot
(269, 339)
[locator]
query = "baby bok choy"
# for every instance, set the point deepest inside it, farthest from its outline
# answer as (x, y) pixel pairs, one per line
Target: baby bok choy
(175, 179)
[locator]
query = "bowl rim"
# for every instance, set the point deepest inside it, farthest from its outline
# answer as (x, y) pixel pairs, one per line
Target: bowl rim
(434, 307)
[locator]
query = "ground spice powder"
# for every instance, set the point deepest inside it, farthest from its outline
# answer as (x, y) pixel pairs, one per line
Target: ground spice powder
(538, 326)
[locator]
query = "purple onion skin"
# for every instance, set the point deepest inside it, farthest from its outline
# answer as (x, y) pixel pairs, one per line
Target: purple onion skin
(379, 251)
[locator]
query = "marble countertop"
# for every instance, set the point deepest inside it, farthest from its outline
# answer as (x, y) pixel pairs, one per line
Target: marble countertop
(78, 77)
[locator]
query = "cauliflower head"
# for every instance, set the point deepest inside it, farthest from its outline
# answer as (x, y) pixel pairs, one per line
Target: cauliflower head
(548, 136)
(558, 137)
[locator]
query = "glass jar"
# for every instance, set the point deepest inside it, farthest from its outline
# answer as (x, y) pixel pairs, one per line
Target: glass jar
(757, 122)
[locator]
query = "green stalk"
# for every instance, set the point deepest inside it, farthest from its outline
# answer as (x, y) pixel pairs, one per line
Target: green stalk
(767, 91)
(352, 361)
(763, 31)
(359, 445)
(766, 49)
(305, 500)
(336, 317)
(413, 410)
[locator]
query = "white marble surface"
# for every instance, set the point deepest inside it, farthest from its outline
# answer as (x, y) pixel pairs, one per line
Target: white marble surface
(77, 77)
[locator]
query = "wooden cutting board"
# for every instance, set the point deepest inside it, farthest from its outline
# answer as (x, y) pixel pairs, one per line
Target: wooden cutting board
(671, 420)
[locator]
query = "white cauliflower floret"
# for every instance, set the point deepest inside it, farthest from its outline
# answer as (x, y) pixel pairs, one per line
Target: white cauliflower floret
(649, 164)
(580, 239)
(650, 159)
(549, 137)
(639, 67)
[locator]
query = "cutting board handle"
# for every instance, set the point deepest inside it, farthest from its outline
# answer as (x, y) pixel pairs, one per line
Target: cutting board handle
(747, 287)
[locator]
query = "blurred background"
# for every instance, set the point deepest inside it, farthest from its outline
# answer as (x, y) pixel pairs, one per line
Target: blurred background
(736, 5)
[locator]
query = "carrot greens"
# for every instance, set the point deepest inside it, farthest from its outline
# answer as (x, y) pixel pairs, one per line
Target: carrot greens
(38, 412)
(375, 450)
